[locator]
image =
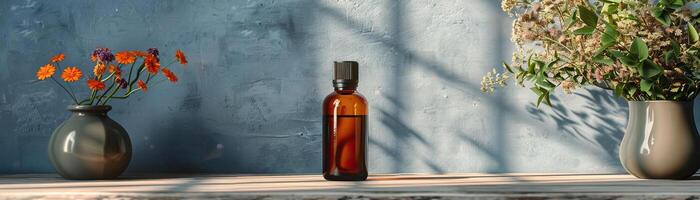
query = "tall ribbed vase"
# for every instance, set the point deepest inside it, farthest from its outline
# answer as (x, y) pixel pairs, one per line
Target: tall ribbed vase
(89, 145)
(661, 140)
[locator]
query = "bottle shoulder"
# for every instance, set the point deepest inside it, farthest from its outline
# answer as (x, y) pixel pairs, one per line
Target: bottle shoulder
(350, 103)
(354, 97)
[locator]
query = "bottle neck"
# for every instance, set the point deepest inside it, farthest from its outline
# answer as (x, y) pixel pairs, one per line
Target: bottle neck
(345, 86)
(345, 90)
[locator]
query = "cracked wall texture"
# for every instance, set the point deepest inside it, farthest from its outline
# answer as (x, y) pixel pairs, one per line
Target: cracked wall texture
(249, 101)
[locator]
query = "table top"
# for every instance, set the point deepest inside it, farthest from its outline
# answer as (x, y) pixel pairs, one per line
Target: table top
(469, 185)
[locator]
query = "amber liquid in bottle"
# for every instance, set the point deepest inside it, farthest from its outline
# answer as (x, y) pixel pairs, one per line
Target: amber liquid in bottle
(345, 133)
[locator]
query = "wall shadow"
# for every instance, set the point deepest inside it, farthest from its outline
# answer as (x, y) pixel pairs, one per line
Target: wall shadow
(596, 122)
(403, 59)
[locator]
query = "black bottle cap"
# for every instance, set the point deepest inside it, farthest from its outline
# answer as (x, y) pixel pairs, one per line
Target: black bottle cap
(346, 74)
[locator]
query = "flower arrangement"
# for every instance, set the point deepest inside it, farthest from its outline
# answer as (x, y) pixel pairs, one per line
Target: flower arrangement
(641, 50)
(108, 70)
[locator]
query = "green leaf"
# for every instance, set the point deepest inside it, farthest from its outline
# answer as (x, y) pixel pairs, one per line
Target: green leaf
(659, 96)
(530, 65)
(619, 89)
(609, 37)
(545, 84)
(630, 60)
(572, 19)
(632, 91)
(674, 53)
(668, 56)
(639, 49)
(521, 77)
(661, 15)
(696, 75)
(692, 34)
(551, 64)
(543, 96)
(536, 90)
(676, 47)
(540, 65)
(610, 8)
(540, 94)
(675, 4)
(586, 30)
(616, 54)
(505, 65)
(539, 100)
(587, 16)
(649, 69)
(600, 59)
(677, 96)
(645, 86)
(547, 100)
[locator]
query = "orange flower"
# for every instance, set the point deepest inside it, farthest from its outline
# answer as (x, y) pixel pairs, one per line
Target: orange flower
(93, 57)
(116, 71)
(142, 85)
(125, 57)
(95, 85)
(138, 53)
(58, 58)
(71, 74)
(181, 57)
(152, 64)
(99, 69)
(45, 71)
(169, 74)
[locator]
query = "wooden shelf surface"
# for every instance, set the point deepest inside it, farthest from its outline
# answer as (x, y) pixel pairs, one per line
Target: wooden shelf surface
(469, 185)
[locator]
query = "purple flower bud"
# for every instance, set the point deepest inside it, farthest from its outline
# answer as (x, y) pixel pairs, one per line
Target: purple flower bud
(122, 83)
(103, 54)
(154, 51)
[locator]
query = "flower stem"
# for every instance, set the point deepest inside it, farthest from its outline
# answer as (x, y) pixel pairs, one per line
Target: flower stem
(105, 93)
(138, 74)
(110, 95)
(148, 79)
(171, 62)
(126, 95)
(108, 77)
(131, 69)
(64, 88)
(92, 97)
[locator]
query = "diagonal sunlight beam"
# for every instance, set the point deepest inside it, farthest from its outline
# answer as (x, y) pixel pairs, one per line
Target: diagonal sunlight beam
(437, 69)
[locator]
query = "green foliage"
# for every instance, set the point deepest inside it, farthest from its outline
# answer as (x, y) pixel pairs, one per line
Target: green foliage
(609, 37)
(692, 34)
(639, 49)
(632, 65)
(588, 16)
(664, 8)
(649, 70)
(586, 30)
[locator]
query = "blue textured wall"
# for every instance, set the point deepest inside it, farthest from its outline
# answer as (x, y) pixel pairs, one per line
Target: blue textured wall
(249, 101)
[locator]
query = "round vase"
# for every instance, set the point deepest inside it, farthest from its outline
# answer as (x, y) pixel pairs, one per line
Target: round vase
(661, 140)
(89, 145)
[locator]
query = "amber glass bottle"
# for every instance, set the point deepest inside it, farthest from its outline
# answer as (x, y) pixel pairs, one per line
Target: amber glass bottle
(345, 127)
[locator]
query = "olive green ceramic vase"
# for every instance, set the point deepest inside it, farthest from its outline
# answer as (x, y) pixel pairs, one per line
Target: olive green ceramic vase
(661, 141)
(89, 145)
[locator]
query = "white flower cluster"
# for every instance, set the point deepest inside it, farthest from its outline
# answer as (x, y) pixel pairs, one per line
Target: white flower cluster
(493, 79)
